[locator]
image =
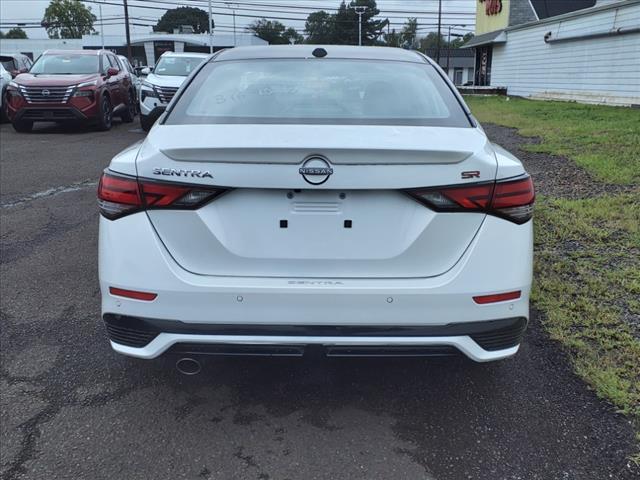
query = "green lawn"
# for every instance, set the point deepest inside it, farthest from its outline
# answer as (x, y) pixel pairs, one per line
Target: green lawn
(587, 251)
(604, 140)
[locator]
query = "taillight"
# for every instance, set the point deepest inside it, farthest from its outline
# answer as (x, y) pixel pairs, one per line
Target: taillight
(509, 199)
(497, 297)
(514, 199)
(120, 195)
(136, 295)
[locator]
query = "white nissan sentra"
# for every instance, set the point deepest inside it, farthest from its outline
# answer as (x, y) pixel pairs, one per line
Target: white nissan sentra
(340, 199)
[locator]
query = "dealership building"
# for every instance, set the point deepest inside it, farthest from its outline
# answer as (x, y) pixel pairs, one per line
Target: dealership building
(145, 49)
(582, 50)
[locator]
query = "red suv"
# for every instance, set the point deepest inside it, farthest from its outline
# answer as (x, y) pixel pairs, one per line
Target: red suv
(71, 85)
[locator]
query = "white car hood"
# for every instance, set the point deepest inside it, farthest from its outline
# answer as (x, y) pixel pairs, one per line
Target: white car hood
(165, 80)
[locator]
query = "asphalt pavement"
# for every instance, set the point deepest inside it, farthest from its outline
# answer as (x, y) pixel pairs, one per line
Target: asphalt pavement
(73, 409)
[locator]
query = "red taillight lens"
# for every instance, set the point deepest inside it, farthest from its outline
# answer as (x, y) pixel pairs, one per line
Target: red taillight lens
(120, 195)
(497, 297)
(511, 199)
(121, 292)
(514, 199)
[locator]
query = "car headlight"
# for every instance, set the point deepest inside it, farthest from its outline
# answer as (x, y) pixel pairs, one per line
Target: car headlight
(87, 84)
(13, 89)
(147, 90)
(83, 93)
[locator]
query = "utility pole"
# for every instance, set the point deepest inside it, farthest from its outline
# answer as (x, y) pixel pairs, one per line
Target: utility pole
(233, 9)
(101, 27)
(448, 48)
(360, 10)
(449, 43)
(126, 29)
(439, 25)
(210, 29)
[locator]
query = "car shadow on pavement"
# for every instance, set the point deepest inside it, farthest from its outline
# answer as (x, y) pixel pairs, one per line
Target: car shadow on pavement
(525, 417)
(75, 128)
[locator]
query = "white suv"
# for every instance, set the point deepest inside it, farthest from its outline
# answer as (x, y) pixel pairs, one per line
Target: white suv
(336, 197)
(161, 84)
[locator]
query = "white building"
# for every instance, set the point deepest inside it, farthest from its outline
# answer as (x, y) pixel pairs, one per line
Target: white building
(590, 55)
(457, 63)
(145, 49)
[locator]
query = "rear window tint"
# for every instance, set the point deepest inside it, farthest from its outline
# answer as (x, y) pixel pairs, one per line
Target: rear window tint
(313, 91)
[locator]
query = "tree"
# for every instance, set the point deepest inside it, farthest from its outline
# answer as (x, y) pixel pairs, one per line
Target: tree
(393, 39)
(175, 18)
(274, 32)
(431, 41)
(68, 19)
(342, 27)
(320, 28)
(459, 41)
(346, 23)
(16, 33)
(409, 33)
(292, 36)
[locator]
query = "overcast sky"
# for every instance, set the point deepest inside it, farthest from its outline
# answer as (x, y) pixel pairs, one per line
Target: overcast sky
(291, 12)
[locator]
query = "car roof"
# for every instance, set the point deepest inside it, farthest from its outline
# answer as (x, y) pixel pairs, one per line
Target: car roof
(75, 52)
(333, 51)
(185, 54)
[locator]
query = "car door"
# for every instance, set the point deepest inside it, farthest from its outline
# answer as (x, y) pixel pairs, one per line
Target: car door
(126, 80)
(113, 82)
(135, 81)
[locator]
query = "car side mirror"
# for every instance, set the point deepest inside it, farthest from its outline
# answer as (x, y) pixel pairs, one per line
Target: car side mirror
(23, 70)
(111, 71)
(145, 71)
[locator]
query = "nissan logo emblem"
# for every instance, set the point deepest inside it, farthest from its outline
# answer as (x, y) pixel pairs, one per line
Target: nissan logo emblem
(316, 170)
(45, 93)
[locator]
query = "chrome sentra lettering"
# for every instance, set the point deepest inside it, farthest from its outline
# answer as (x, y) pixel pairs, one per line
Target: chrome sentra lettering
(173, 172)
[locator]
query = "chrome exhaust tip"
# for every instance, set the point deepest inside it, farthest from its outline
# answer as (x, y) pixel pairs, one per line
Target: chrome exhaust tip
(188, 366)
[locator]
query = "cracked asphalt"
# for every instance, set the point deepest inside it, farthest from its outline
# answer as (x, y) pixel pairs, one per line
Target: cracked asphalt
(73, 409)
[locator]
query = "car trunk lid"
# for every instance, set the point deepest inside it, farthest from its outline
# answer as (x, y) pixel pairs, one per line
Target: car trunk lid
(357, 223)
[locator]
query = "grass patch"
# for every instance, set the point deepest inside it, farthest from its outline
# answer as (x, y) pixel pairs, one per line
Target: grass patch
(587, 251)
(587, 273)
(604, 140)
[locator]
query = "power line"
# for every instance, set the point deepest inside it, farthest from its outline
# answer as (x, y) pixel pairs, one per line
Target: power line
(416, 14)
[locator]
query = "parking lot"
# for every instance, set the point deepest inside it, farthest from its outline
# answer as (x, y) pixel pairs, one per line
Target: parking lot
(73, 409)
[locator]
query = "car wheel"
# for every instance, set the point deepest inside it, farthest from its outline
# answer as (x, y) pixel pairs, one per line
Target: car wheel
(146, 123)
(3, 109)
(22, 126)
(105, 115)
(130, 112)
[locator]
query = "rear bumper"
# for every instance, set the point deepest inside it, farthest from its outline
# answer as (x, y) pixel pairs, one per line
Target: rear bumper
(133, 257)
(481, 341)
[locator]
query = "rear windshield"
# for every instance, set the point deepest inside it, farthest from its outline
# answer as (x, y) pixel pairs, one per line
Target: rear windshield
(327, 91)
(177, 66)
(66, 64)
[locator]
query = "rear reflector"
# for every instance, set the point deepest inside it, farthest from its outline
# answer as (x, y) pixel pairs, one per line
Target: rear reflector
(510, 199)
(120, 195)
(498, 297)
(121, 292)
